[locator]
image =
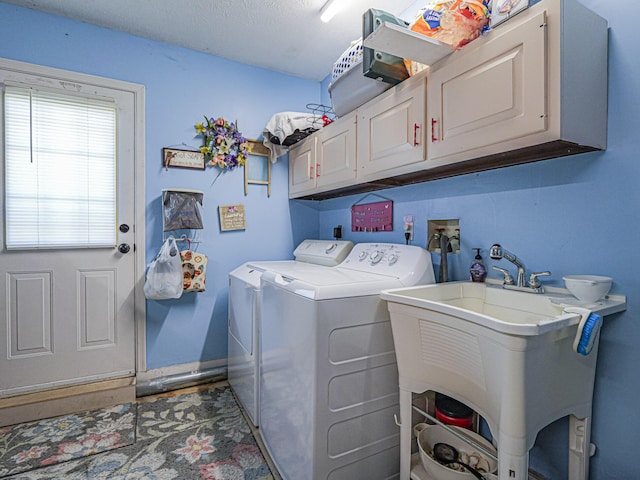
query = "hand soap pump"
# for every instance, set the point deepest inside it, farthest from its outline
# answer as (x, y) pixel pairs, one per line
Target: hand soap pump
(478, 271)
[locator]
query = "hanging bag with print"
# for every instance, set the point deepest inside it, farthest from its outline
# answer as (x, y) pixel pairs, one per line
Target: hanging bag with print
(194, 268)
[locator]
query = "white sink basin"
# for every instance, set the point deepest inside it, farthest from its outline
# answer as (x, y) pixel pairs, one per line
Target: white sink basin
(491, 306)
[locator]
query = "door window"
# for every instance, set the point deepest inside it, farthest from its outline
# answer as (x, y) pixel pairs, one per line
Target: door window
(60, 169)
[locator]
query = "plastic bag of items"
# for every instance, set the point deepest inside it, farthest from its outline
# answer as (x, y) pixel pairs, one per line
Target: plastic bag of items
(454, 22)
(164, 277)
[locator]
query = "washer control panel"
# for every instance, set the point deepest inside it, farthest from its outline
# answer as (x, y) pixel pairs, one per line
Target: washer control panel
(374, 253)
(401, 261)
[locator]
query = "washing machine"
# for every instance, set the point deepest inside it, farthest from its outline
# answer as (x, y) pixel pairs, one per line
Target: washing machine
(244, 313)
(329, 380)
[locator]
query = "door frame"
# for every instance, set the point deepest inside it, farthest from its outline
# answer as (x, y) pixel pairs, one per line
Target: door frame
(138, 92)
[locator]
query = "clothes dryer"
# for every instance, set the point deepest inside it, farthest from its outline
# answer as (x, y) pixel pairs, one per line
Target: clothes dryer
(244, 313)
(329, 380)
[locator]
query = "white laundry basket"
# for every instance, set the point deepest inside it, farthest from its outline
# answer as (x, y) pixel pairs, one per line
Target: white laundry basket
(349, 87)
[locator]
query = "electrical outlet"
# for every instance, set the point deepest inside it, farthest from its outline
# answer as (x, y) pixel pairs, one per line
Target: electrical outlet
(408, 227)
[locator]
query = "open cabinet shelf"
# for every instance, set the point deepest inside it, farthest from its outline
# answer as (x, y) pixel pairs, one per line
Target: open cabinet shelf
(405, 43)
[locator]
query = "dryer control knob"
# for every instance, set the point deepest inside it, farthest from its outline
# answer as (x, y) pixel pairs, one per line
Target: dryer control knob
(363, 255)
(331, 248)
(376, 257)
(393, 259)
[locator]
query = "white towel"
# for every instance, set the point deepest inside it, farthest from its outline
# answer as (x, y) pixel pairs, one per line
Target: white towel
(283, 124)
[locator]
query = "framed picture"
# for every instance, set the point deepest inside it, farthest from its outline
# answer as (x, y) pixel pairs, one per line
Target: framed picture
(232, 217)
(257, 169)
(173, 157)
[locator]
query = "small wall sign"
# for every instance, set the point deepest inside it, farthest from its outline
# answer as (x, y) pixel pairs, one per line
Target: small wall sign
(174, 157)
(232, 217)
(372, 217)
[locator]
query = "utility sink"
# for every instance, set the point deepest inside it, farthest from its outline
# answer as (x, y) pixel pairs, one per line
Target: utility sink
(505, 311)
(507, 354)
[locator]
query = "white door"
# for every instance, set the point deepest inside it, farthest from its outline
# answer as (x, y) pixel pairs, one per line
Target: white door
(67, 313)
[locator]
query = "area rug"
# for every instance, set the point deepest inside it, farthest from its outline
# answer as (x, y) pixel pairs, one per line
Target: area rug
(199, 435)
(52, 441)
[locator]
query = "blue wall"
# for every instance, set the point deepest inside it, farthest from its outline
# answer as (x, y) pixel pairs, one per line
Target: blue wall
(181, 87)
(570, 215)
(574, 215)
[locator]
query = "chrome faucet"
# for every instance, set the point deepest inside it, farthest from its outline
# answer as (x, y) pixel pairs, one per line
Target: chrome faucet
(497, 253)
(534, 285)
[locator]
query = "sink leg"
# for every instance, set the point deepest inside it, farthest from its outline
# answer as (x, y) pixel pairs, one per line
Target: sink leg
(579, 447)
(406, 433)
(513, 462)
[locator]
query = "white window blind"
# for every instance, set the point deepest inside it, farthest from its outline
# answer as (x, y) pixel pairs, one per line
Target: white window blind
(60, 170)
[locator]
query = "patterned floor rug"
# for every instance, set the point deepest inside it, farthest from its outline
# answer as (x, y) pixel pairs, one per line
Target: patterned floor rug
(52, 441)
(200, 435)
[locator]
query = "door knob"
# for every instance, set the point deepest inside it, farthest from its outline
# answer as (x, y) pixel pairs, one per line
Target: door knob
(124, 248)
(124, 228)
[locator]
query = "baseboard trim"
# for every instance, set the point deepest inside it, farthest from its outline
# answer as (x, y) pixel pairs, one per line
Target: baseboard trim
(64, 401)
(150, 375)
(177, 377)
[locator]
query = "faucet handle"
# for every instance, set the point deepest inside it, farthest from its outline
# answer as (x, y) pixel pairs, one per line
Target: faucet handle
(533, 278)
(508, 279)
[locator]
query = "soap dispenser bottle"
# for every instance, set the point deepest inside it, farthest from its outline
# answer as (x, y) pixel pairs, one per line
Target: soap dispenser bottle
(478, 271)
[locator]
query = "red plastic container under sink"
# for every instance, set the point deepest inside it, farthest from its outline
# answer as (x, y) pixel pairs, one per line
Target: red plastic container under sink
(452, 412)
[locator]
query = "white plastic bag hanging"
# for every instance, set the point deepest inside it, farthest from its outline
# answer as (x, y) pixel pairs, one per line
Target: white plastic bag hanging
(164, 277)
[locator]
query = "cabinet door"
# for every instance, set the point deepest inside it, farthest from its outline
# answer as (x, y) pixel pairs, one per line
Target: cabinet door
(302, 166)
(390, 129)
(492, 94)
(336, 152)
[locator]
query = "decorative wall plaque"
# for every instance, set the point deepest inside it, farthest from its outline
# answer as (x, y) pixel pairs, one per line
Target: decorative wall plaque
(174, 157)
(232, 217)
(372, 217)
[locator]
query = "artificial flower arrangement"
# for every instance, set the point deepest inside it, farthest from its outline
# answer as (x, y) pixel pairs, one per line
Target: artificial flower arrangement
(223, 145)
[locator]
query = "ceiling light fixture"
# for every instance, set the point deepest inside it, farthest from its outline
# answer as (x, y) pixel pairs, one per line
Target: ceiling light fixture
(329, 9)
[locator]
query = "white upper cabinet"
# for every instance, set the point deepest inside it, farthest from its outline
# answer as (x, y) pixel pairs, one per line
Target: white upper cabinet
(391, 129)
(326, 158)
(336, 152)
(533, 88)
(302, 166)
(490, 95)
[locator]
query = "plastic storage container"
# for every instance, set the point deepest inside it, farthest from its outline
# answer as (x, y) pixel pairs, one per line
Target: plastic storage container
(453, 412)
(349, 87)
(428, 435)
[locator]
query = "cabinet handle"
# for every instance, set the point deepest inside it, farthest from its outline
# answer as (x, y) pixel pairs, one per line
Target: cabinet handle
(433, 130)
(416, 127)
(317, 169)
(311, 172)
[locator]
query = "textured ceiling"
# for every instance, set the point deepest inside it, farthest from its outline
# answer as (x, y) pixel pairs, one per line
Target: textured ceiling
(282, 35)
